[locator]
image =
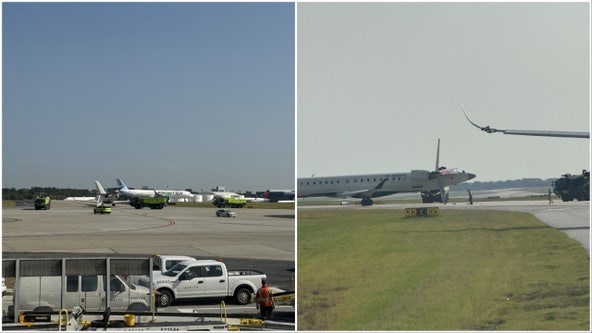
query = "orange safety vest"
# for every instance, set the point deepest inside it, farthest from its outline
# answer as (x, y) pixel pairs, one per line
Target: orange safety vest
(265, 296)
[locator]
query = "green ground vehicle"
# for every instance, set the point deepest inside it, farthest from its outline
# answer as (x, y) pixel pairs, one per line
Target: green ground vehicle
(42, 201)
(570, 187)
(103, 210)
(229, 202)
(152, 202)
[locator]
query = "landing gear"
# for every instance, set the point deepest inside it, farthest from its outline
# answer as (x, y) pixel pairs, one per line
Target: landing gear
(431, 196)
(367, 202)
(434, 196)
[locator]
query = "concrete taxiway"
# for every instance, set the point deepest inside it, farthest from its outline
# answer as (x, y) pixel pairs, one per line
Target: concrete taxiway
(259, 239)
(73, 227)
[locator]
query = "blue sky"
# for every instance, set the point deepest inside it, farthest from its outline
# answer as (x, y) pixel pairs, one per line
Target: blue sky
(178, 95)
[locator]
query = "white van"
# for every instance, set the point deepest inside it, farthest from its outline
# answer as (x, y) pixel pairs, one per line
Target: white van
(43, 293)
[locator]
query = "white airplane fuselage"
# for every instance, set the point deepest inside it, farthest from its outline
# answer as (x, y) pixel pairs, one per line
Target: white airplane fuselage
(171, 194)
(369, 185)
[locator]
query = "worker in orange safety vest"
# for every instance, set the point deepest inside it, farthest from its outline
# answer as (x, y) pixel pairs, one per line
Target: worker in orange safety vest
(265, 300)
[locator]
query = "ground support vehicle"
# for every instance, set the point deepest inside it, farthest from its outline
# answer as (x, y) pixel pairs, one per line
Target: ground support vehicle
(204, 279)
(102, 210)
(152, 202)
(162, 263)
(225, 213)
(46, 294)
(229, 202)
(570, 187)
(42, 201)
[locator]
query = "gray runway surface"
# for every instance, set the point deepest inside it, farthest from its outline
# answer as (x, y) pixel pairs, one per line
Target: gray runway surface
(261, 239)
(572, 218)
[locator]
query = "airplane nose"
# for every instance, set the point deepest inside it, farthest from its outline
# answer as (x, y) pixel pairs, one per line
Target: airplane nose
(472, 175)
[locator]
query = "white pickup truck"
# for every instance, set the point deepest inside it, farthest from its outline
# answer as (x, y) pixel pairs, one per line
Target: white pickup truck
(204, 279)
(162, 263)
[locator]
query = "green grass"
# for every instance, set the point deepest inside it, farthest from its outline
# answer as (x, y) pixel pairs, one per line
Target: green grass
(463, 270)
(8, 203)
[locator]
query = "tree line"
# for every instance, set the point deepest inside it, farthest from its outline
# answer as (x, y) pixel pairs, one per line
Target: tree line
(62, 193)
(501, 184)
(53, 192)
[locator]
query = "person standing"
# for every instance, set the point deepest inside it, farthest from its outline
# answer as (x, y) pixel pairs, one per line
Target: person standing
(549, 195)
(470, 198)
(265, 300)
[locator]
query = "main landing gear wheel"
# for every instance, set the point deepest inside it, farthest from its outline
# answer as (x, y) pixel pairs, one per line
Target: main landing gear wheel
(367, 202)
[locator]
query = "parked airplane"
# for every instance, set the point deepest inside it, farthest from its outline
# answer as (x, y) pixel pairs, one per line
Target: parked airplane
(561, 134)
(278, 195)
(105, 197)
(173, 195)
(370, 186)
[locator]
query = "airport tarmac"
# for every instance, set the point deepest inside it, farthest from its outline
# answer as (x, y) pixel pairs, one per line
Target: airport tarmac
(73, 227)
(572, 218)
(260, 239)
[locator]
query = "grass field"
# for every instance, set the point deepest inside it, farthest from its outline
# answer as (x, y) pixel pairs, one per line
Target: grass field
(462, 270)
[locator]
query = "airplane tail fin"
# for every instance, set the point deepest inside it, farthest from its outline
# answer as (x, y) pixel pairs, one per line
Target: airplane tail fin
(100, 188)
(438, 156)
(121, 184)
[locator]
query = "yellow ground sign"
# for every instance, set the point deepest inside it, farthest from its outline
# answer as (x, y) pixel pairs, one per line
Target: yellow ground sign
(422, 211)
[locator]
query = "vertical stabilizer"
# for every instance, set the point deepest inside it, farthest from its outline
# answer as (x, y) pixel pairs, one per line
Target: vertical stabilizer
(121, 184)
(100, 188)
(438, 156)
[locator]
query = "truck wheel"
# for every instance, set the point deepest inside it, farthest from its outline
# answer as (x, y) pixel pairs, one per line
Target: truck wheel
(165, 299)
(137, 307)
(43, 308)
(243, 295)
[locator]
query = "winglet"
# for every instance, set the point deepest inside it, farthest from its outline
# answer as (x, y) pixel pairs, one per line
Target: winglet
(485, 129)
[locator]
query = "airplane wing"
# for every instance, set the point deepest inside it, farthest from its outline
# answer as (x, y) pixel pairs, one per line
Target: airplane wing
(560, 134)
(365, 193)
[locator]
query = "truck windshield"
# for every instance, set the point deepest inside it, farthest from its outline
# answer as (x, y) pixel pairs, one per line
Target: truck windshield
(175, 270)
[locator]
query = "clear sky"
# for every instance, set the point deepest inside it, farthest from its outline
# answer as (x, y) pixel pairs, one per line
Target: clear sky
(379, 83)
(177, 95)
